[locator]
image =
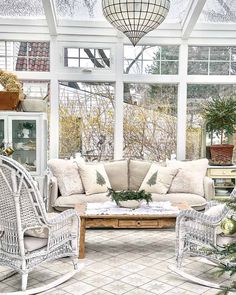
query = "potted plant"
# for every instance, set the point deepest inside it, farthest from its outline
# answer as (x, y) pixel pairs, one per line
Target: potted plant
(129, 199)
(12, 94)
(220, 119)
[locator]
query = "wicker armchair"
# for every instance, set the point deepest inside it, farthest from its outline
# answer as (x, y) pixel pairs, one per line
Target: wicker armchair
(196, 230)
(22, 211)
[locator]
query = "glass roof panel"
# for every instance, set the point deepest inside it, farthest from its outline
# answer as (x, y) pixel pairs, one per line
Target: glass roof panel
(92, 10)
(79, 9)
(178, 10)
(218, 11)
(22, 8)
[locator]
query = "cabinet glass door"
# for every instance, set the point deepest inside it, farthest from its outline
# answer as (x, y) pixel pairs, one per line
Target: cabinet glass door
(2, 133)
(24, 143)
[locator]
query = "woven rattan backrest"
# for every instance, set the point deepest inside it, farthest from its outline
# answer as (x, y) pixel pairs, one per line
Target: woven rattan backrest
(21, 205)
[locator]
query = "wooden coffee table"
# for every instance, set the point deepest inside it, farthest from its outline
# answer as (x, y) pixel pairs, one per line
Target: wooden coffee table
(123, 221)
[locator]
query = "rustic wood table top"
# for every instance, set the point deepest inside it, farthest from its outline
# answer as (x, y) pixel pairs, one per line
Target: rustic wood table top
(81, 209)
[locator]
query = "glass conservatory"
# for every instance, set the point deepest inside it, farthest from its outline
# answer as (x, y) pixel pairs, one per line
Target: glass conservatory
(122, 136)
(108, 99)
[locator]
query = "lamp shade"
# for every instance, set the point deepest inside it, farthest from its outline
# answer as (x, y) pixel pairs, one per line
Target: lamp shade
(135, 18)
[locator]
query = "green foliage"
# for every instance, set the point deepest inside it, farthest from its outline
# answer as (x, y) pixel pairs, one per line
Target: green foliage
(153, 179)
(129, 195)
(220, 116)
(100, 179)
(28, 125)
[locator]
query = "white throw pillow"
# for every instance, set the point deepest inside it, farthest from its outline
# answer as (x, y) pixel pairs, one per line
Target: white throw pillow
(67, 174)
(215, 210)
(40, 232)
(94, 178)
(158, 179)
(189, 178)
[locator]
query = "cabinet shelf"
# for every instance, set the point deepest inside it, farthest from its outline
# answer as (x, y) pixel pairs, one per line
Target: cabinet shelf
(224, 186)
(23, 138)
(224, 180)
(22, 150)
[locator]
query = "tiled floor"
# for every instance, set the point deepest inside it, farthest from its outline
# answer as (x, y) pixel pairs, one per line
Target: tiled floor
(133, 262)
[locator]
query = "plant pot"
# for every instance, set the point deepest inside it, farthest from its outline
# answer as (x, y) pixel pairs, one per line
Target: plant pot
(221, 154)
(132, 204)
(34, 105)
(9, 100)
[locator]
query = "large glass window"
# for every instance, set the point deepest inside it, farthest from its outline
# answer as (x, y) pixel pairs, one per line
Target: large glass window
(150, 112)
(36, 89)
(197, 139)
(150, 59)
(211, 60)
(86, 120)
(24, 56)
(87, 58)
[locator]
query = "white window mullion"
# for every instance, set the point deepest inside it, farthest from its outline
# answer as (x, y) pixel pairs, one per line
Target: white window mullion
(54, 101)
(182, 102)
(119, 109)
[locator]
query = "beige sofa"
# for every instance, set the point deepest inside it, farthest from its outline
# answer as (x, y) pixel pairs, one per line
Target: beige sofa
(129, 174)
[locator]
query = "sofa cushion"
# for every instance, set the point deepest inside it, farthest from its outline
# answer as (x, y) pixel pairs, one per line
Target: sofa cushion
(158, 179)
(67, 174)
(189, 178)
(137, 172)
(71, 201)
(32, 243)
(94, 178)
(195, 201)
(117, 172)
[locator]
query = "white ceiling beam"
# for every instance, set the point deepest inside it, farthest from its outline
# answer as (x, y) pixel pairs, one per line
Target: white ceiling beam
(50, 13)
(192, 16)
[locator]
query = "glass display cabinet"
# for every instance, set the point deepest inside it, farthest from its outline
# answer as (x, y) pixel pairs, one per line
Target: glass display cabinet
(26, 133)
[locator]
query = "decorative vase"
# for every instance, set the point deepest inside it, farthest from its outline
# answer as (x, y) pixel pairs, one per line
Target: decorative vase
(34, 105)
(132, 204)
(228, 226)
(26, 133)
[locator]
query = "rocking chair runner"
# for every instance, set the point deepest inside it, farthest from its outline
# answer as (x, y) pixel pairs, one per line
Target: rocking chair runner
(21, 210)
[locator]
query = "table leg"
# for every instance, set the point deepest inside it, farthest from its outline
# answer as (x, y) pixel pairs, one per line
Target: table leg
(82, 238)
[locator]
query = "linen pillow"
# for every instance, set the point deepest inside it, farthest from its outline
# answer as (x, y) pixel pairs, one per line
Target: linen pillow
(137, 171)
(190, 176)
(117, 172)
(40, 232)
(215, 210)
(158, 179)
(94, 178)
(67, 174)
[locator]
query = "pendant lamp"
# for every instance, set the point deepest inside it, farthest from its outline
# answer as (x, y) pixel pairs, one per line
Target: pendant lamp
(135, 18)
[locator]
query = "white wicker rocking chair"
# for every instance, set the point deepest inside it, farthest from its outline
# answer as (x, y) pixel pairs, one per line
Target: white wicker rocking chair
(21, 210)
(196, 231)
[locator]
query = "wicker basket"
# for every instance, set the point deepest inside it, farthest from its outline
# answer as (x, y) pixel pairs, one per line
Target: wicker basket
(9, 100)
(221, 154)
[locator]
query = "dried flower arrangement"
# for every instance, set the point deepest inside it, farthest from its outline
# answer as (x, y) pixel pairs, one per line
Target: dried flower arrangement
(11, 83)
